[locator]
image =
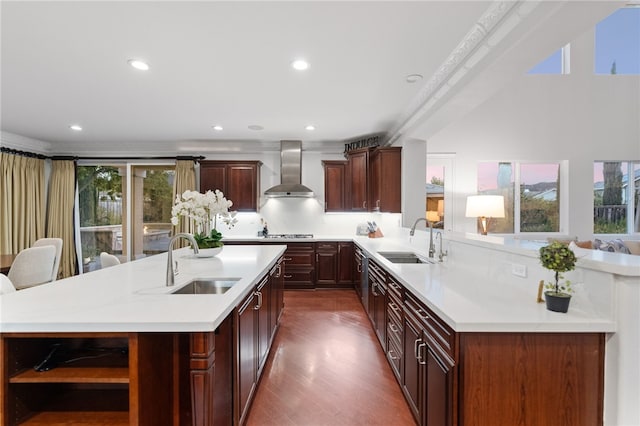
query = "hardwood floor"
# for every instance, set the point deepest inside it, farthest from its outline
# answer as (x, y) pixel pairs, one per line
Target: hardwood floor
(327, 368)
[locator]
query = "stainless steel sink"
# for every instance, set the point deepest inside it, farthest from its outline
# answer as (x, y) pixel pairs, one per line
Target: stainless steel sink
(207, 286)
(404, 257)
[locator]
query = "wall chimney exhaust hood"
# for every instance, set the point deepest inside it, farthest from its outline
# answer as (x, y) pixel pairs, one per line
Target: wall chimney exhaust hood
(290, 173)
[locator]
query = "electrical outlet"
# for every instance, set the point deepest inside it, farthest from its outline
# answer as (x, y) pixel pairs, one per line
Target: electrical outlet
(519, 270)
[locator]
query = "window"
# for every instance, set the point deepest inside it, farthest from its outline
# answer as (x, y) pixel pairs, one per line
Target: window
(435, 195)
(438, 189)
(616, 197)
(100, 190)
(109, 224)
(535, 207)
(617, 44)
(557, 63)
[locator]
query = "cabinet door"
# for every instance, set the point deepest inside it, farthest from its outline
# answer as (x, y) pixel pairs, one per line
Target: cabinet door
(326, 268)
(345, 264)
(358, 180)
(334, 186)
(439, 391)
(385, 177)
(242, 186)
(264, 321)
(246, 356)
(411, 380)
(213, 176)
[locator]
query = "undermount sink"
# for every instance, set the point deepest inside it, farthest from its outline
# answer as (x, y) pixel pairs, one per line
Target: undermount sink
(404, 257)
(207, 286)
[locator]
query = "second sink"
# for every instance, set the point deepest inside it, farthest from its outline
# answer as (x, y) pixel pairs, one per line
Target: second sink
(404, 257)
(207, 286)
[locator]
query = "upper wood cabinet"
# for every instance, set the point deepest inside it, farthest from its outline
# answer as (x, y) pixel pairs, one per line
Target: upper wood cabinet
(370, 180)
(385, 179)
(238, 180)
(335, 180)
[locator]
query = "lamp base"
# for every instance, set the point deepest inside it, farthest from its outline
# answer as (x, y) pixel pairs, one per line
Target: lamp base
(483, 221)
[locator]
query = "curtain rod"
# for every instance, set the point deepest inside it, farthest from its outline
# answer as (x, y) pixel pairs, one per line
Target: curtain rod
(23, 153)
(67, 157)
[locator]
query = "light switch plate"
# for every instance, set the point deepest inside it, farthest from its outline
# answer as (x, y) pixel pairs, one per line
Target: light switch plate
(519, 270)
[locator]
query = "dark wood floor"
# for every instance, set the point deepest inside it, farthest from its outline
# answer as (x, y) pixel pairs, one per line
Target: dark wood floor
(327, 368)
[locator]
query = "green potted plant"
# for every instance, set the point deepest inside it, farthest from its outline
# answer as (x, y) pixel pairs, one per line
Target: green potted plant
(203, 210)
(559, 258)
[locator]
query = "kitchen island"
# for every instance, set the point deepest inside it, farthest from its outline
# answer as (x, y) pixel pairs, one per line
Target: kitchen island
(124, 350)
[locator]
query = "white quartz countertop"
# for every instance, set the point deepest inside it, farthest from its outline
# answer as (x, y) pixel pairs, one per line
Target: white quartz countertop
(473, 303)
(132, 297)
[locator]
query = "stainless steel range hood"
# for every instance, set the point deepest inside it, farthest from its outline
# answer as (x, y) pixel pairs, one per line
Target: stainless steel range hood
(290, 173)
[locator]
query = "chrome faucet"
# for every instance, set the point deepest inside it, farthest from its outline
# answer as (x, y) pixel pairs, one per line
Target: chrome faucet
(441, 254)
(432, 249)
(171, 273)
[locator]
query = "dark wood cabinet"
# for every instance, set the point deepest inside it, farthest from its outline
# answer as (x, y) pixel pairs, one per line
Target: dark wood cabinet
(429, 364)
(345, 264)
(385, 180)
(378, 301)
(370, 180)
(358, 181)
(326, 264)
(257, 322)
(264, 308)
(246, 349)
(299, 265)
(238, 180)
(335, 183)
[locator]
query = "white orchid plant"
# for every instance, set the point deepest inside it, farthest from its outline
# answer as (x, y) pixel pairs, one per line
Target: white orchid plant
(204, 210)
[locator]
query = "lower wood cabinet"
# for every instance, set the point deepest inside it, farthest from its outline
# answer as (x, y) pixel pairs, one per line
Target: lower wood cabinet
(245, 355)
(257, 319)
(483, 378)
(154, 379)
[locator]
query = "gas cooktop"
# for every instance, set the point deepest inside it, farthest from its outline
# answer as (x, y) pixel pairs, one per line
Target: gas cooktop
(289, 236)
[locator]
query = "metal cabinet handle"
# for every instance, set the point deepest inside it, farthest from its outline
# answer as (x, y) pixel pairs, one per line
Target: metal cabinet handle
(420, 359)
(364, 204)
(394, 307)
(316, 257)
(415, 348)
(287, 259)
(259, 305)
(373, 289)
(278, 270)
(422, 314)
(359, 267)
(288, 276)
(393, 328)
(391, 355)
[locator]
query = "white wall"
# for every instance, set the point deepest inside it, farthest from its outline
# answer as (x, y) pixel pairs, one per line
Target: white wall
(579, 117)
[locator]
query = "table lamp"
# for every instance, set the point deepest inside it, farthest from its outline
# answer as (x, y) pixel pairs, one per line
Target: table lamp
(485, 206)
(432, 216)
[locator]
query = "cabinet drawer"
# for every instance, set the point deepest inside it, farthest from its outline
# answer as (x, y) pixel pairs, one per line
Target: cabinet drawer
(327, 246)
(439, 332)
(394, 327)
(298, 278)
(394, 355)
(299, 258)
(395, 289)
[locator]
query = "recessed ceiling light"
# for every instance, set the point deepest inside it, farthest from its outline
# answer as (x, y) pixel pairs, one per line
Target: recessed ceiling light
(138, 64)
(218, 128)
(255, 127)
(310, 127)
(76, 127)
(412, 78)
(300, 64)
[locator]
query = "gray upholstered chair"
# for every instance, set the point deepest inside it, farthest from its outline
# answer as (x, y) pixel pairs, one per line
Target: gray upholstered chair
(107, 260)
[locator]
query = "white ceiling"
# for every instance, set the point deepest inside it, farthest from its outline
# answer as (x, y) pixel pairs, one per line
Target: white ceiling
(225, 63)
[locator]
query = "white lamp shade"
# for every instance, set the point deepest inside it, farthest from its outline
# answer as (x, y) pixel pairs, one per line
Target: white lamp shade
(485, 206)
